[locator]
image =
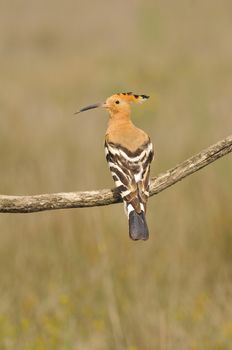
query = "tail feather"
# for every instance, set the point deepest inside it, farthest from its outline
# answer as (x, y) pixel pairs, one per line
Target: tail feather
(138, 226)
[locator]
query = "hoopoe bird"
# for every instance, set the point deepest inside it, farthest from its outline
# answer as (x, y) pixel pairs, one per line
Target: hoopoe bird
(129, 153)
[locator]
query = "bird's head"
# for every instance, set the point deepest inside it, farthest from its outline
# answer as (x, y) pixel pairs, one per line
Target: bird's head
(118, 103)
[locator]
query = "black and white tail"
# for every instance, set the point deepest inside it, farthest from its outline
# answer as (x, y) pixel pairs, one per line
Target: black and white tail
(138, 226)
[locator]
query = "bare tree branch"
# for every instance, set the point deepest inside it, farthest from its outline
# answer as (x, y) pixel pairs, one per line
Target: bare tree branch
(30, 204)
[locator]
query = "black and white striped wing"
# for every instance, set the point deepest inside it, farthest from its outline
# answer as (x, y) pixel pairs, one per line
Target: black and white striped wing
(130, 171)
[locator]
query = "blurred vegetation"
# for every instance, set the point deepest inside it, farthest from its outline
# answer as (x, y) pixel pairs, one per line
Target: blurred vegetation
(73, 279)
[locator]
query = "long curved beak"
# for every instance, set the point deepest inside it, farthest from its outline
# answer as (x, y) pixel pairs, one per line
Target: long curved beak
(95, 105)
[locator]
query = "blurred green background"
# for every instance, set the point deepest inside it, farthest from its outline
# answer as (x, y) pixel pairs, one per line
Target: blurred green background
(72, 279)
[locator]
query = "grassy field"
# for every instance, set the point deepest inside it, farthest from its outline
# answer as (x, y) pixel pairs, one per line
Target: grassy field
(72, 280)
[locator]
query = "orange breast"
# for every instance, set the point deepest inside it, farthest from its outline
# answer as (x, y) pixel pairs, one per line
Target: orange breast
(126, 135)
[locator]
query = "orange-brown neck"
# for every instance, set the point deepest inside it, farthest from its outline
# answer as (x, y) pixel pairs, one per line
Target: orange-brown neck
(118, 118)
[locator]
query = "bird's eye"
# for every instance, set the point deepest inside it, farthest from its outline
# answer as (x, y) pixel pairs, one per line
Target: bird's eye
(117, 102)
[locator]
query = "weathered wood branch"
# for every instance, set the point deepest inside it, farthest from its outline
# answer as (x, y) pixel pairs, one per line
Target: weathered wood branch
(30, 204)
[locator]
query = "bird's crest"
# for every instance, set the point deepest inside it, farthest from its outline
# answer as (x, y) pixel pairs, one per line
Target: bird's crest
(130, 97)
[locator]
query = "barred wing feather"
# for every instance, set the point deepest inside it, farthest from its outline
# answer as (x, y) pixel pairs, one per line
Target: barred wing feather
(130, 171)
